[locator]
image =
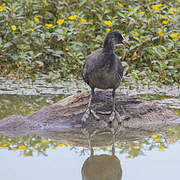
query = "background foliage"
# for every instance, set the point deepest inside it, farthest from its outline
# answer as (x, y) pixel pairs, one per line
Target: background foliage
(54, 37)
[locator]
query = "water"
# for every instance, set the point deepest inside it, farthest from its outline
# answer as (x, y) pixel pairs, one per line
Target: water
(66, 162)
(35, 157)
(66, 165)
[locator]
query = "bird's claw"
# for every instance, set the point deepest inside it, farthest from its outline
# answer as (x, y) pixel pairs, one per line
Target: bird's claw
(112, 117)
(87, 114)
(95, 115)
(115, 122)
(115, 116)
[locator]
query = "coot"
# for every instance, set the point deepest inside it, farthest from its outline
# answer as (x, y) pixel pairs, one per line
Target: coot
(103, 70)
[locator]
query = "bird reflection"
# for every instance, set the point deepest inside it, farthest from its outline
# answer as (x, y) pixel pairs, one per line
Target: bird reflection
(102, 167)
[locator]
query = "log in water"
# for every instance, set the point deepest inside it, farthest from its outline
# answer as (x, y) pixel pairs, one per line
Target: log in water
(62, 120)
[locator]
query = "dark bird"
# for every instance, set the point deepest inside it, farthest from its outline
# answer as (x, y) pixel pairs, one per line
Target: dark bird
(103, 70)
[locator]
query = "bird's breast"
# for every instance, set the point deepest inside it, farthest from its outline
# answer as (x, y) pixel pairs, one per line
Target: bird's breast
(104, 78)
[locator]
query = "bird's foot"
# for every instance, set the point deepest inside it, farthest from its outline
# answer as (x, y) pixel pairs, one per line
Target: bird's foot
(95, 115)
(87, 114)
(104, 112)
(115, 116)
(115, 121)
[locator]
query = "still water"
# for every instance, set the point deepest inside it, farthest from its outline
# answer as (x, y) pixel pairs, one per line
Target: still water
(30, 157)
(66, 164)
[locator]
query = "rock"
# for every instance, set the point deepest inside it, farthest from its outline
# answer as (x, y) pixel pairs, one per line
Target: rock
(62, 120)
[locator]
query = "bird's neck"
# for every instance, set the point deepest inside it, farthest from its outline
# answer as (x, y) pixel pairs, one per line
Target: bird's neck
(108, 45)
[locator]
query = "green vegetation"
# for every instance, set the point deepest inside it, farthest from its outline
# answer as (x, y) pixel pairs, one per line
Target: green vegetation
(54, 37)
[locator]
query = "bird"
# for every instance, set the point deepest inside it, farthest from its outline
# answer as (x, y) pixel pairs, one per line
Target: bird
(103, 70)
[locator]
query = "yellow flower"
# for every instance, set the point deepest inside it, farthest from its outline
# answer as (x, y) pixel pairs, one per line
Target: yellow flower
(154, 135)
(95, 149)
(162, 16)
(49, 25)
(175, 36)
(72, 17)
(46, 141)
(169, 19)
(161, 147)
(83, 20)
(157, 139)
(45, 3)
(6, 23)
(60, 22)
(108, 29)
(171, 10)
(120, 5)
(160, 33)
(108, 23)
(1, 8)
(32, 29)
(123, 35)
(142, 12)
(171, 141)
(60, 145)
(135, 34)
(13, 27)
(162, 27)
(164, 22)
(22, 147)
(156, 6)
(93, 10)
(4, 145)
(36, 19)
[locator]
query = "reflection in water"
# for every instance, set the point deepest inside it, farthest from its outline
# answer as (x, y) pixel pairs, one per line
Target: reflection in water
(31, 145)
(23, 105)
(102, 167)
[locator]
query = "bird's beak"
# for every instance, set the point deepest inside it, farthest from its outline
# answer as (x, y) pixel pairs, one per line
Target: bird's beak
(125, 42)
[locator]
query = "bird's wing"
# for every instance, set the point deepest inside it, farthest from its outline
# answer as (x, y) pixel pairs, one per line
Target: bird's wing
(119, 67)
(93, 62)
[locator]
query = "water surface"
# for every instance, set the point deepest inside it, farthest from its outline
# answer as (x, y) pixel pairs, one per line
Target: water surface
(35, 157)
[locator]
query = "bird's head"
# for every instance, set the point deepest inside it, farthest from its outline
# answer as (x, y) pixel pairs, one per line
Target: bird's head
(114, 38)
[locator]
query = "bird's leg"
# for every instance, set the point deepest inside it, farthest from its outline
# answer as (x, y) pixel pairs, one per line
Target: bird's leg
(89, 109)
(115, 114)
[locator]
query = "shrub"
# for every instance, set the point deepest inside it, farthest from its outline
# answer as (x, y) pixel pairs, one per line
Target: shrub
(56, 36)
